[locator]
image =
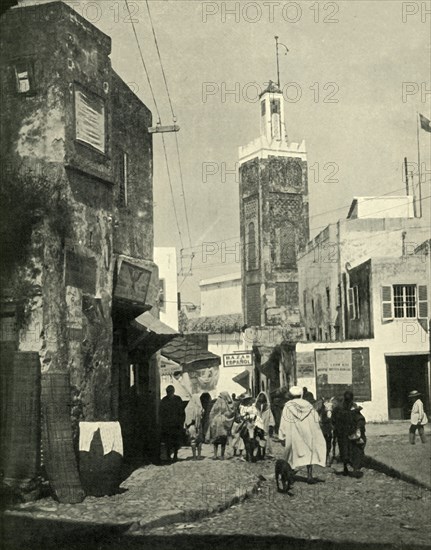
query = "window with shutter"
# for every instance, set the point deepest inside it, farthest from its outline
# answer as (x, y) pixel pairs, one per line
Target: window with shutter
(422, 302)
(387, 313)
(90, 118)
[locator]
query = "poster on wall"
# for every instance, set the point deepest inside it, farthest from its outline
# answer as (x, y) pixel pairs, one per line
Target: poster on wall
(305, 365)
(340, 366)
(338, 370)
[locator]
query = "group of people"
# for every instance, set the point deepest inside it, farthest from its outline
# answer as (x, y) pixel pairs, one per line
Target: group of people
(307, 428)
(246, 424)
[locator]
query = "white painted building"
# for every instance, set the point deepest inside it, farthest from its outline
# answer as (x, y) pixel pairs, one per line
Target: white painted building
(364, 301)
(221, 295)
(382, 207)
(221, 320)
(166, 259)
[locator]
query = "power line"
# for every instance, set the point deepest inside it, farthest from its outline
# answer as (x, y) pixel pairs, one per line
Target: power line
(143, 60)
(199, 245)
(160, 59)
(174, 120)
(172, 191)
(159, 118)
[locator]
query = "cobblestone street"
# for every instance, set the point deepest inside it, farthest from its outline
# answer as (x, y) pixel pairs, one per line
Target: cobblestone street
(376, 511)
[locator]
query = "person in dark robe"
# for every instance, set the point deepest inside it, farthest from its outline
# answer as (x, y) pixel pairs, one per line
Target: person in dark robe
(308, 395)
(278, 399)
(207, 403)
(172, 418)
(349, 425)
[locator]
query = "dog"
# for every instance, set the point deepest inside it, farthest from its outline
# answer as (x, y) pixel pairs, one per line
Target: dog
(285, 474)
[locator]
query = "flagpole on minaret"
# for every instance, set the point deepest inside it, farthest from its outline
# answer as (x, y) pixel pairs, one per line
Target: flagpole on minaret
(278, 64)
(419, 165)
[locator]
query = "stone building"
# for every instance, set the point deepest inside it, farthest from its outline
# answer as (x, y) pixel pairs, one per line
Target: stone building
(273, 226)
(73, 130)
(273, 217)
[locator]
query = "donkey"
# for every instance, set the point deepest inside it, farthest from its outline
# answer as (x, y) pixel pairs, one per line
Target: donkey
(324, 408)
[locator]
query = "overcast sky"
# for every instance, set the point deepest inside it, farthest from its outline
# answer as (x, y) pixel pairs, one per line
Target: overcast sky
(356, 123)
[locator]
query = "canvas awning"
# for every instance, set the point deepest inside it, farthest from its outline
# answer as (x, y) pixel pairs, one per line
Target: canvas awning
(243, 379)
(189, 355)
(149, 332)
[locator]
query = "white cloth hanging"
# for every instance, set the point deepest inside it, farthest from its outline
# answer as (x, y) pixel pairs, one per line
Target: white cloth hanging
(110, 434)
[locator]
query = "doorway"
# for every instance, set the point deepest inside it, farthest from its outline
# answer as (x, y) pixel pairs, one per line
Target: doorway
(404, 374)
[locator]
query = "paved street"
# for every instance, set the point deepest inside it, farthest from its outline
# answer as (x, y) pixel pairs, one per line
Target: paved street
(376, 511)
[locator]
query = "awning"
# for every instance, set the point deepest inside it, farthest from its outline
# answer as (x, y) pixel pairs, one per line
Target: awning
(243, 379)
(189, 355)
(149, 332)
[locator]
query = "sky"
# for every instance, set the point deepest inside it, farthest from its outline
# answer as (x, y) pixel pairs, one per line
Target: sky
(356, 74)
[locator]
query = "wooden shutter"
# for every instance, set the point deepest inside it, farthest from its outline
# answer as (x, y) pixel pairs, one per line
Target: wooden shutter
(422, 302)
(387, 309)
(351, 304)
(356, 301)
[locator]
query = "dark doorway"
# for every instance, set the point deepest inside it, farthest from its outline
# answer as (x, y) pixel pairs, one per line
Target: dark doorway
(404, 374)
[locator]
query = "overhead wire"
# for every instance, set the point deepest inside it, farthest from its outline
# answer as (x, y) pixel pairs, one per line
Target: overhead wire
(199, 245)
(158, 115)
(174, 120)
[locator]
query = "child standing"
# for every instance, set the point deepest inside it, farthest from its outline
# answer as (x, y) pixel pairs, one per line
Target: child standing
(237, 441)
(192, 434)
(418, 418)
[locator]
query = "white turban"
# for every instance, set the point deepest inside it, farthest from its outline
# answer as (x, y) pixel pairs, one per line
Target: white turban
(295, 391)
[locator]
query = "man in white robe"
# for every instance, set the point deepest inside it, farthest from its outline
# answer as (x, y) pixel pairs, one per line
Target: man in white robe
(303, 439)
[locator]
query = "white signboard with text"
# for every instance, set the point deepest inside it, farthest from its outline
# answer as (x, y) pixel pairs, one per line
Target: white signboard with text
(238, 359)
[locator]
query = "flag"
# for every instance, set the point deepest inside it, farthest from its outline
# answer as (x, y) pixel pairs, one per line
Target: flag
(425, 123)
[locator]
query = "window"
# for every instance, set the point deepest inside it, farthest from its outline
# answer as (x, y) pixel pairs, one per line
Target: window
(404, 302)
(162, 294)
(312, 305)
(354, 311)
(275, 106)
(320, 335)
(251, 246)
(90, 120)
(286, 247)
(24, 77)
(275, 119)
(124, 179)
(328, 297)
(263, 108)
(304, 299)
(339, 296)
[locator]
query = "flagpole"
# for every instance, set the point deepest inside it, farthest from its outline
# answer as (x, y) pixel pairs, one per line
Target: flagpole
(419, 165)
(278, 64)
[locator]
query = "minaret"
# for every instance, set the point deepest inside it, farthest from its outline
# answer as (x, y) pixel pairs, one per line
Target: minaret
(274, 217)
(272, 124)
